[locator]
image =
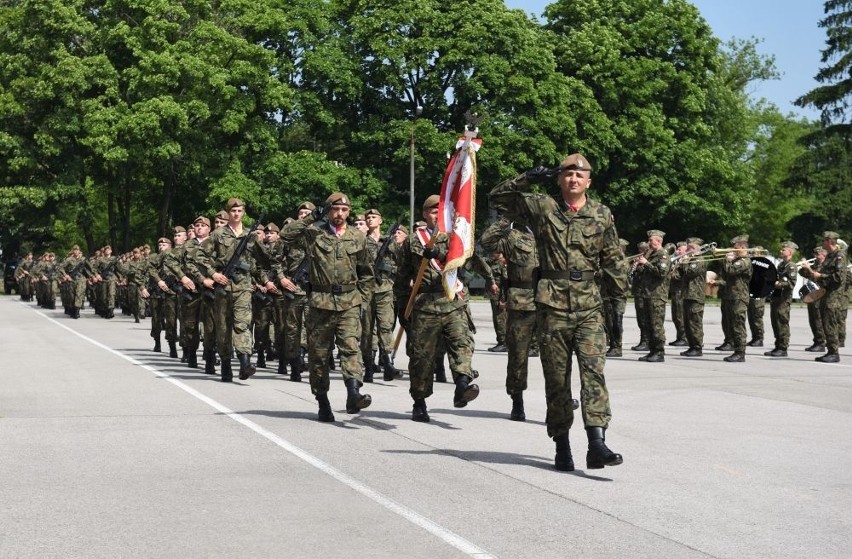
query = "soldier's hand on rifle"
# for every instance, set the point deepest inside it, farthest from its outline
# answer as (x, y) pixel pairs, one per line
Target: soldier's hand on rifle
(271, 288)
(145, 293)
(221, 279)
(287, 284)
(541, 174)
(187, 283)
(162, 285)
(208, 283)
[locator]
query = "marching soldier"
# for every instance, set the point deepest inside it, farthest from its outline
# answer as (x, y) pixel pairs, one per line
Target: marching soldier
(75, 270)
(781, 298)
(576, 240)
(198, 308)
(340, 276)
(656, 271)
(497, 263)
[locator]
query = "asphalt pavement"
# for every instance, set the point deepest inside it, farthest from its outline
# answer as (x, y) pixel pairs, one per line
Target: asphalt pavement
(109, 450)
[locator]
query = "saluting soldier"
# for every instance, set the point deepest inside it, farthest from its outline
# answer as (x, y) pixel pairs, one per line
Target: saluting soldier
(576, 240)
(831, 277)
(694, 274)
(341, 276)
(656, 271)
(781, 298)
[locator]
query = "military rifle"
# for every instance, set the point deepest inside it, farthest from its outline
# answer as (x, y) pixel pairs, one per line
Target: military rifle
(383, 250)
(235, 263)
(75, 271)
(109, 270)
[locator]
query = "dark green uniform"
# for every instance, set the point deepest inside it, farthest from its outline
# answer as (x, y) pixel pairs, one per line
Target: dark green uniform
(779, 304)
(736, 274)
(656, 273)
(694, 274)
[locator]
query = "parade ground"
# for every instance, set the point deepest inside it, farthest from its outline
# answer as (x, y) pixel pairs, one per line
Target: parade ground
(108, 450)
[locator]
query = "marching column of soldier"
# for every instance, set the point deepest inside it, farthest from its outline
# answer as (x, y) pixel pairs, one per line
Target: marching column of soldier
(558, 277)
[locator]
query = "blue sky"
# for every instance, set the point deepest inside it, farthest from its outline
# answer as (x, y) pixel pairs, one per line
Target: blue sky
(789, 31)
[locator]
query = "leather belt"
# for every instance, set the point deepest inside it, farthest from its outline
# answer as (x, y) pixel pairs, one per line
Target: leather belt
(336, 289)
(573, 275)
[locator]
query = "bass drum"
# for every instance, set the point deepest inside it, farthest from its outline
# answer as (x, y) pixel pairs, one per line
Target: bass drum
(811, 292)
(763, 277)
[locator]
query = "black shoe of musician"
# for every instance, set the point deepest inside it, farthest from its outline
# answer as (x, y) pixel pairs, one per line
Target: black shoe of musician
(517, 413)
(735, 358)
(816, 348)
(324, 414)
(465, 391)
(692, 352)
(656, 357)
(725, 347)
(246, 368)
(757, 342)
(225, 371)
(641, 346)
(599, 455)
(563, 461)
(419, 412)
(828, 358)
(614, 352)
(776, 353)
(355, 401)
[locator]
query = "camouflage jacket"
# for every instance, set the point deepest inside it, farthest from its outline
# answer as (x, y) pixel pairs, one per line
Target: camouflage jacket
(287, 259)
(216, 251)
(189, 262)
(518, 247)
(387, 268)
(77, 268)
(572, 247)
(657, 274)
(833, 279)
(786, 280)
(694, 274)
(341, 272)
(430, 297)
(736, 275)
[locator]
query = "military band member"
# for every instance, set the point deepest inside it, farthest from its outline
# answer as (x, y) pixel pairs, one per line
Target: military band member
(576, 240)
(781, 298)
(756, 310)
(814, 316)
(656, 271)
(693, 273)
(735, 276)
(637, 289)
(831, 277)
(676, 287)
(341, 276)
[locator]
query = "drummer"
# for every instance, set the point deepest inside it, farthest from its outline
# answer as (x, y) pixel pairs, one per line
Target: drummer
(781, 298)
(814, 314)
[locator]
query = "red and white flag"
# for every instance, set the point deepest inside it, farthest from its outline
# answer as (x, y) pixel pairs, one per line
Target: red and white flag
(457, 208)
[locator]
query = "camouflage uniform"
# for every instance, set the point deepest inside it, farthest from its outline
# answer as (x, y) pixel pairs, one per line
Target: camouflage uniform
(756, 310)
(833, 279)
(779, 304)
(78, 269)
(694, 274)
(517, 245)
(656, 273)
(340, 274)
(572, 248)
(291, 261)
(676, 296)
(379, 316)
(637, 289)
(736, 274)
(498, 312)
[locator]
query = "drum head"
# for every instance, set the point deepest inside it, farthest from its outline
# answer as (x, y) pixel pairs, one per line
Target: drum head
(763, 277)
(814, 295)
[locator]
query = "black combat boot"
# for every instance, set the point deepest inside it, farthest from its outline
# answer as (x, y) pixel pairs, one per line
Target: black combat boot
(390, 372)
(517, 413)
(369, 368)
(296, 369)
(680, 341)
(157, 344)
(355, 401)
(209, 363)
(75, 313)
(419, 412)
(599, 455)
(614, 351)
(246, 368)
(692, 352)
(563, 461)
(816, 347)
(726, 346)
(172, 350)
(282, 367)
(465, 391)
(830, 357)
(225, 370)
(756, 342)
(777, 352)
(440, 372)
(191, 359)
(325, 414)
(656, 357)
(261, 358)
(735, 358)
(641, 346)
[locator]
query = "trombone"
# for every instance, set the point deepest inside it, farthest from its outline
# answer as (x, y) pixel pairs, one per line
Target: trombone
(706, 247)
(722, 254)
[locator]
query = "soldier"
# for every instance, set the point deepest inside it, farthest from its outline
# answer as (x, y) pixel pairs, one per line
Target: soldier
(435, 318)
(497, 263)
(517, 245)
(694, 273)
(155, 291)
(171, 271)
(614, 307)
(781, 298)
(656, 271)
(341, 275)
(75, 270)
(735, 276)
(274, 251)
(637, 289)
(379, 313)
(831, 277)
(676, 287)
(263, 308)
(232, 296)
(195, 310)
(24, 278)
(576, 240)
(814, 316)
(756, 311)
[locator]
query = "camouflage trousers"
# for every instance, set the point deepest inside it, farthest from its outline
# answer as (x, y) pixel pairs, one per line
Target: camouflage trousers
(425, 332)
(498, 317)
(296, 310)
(736, 320)
(655, 324)
(155, 306)
(725, 305)
(833, 316)
(756, 310)
(232, 316)
(639, 304)
(325, 329)
(170, 314)
(561, 334)
(106, 294)
(614, 320)
(190, 322)
(263, 313)
(520, 335)
(678, 316)
(779, 318)
(815, 321)
(77, 292)
(693, 315)
(380, 320)
(279, 320)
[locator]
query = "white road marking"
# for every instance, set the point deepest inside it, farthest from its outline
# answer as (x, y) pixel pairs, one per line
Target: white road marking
(449, 537)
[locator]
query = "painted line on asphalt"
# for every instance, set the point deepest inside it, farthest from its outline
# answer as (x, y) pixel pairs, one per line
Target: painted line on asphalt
(448, 536)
